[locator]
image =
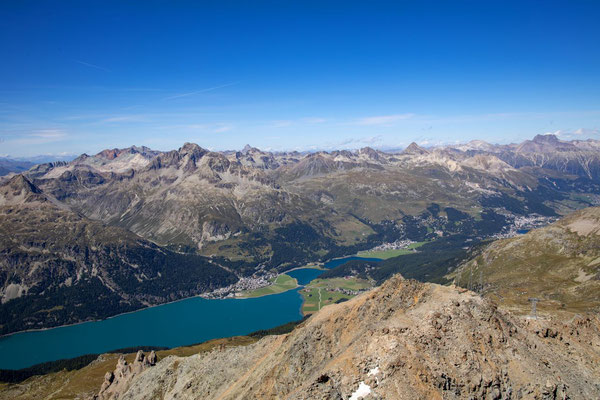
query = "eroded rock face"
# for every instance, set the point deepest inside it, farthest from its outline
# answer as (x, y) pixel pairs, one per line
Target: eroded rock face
(404, 340)
(117, 382)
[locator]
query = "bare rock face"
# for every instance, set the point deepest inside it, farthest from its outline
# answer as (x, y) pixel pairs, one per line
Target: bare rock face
(404, 340)
(117, 382)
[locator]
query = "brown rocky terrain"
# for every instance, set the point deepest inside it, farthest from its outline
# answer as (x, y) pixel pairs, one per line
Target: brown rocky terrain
(119, 380)
(404, 340)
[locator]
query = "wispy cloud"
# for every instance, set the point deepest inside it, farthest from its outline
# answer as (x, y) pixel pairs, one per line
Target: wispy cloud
(506, 116)
(431, 142)
(198, 128)
(363, 141)
(586, 131)
(575, 134)
(314, 120)
(223, 128)
(87, 64)
(51, 134)
(210, 89)
(41, 136)
(125, 118)
(385, 120)
(280, 124)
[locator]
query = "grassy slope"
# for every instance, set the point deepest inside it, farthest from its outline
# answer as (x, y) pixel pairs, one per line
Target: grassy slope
(556, 264)
(329, 295)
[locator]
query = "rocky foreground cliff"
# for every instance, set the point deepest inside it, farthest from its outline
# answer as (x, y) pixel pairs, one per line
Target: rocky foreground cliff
(404, 340)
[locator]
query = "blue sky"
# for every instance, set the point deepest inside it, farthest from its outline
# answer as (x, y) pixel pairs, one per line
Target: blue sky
(83, 76)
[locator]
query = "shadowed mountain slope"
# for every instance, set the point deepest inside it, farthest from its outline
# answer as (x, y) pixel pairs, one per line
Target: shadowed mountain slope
(59, 267)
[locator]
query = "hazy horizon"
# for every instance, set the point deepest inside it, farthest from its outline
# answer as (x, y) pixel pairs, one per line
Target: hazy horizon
(79, 78)
(69, 156)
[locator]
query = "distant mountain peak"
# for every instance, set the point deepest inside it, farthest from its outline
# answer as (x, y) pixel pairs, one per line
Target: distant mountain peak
(370, 152)
(193, 149)
(415, 149)
(109, 154)
(247, 149)
(547, 138)
(21, 182)
(81, 158)
(19, 189)
(545, 144)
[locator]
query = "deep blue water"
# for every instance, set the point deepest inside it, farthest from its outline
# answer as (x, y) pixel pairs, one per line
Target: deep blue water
(184, 322)
(305, 275)
(334, 263)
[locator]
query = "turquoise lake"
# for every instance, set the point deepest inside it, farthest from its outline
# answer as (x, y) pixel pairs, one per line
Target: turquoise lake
(180, 323)
(184, 322)
(305, 275)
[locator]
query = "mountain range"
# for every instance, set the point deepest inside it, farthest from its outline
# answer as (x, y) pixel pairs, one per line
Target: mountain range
(10, 165)
(57, 266)
(403, 340)
(124, 223)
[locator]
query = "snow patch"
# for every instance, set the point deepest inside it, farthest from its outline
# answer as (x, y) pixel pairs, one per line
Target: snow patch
(362, 391)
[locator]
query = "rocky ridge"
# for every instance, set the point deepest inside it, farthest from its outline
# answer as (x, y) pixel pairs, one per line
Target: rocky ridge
(404, 340)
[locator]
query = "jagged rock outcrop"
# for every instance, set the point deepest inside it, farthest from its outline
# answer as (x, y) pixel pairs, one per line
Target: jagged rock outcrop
(19, 190)
(118, 381)
(404, 340)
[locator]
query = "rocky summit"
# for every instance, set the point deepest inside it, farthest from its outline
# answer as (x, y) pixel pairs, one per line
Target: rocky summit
(404, 340)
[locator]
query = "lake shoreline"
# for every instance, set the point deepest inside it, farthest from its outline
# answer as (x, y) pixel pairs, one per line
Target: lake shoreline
(179, 323)
(202, 295)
